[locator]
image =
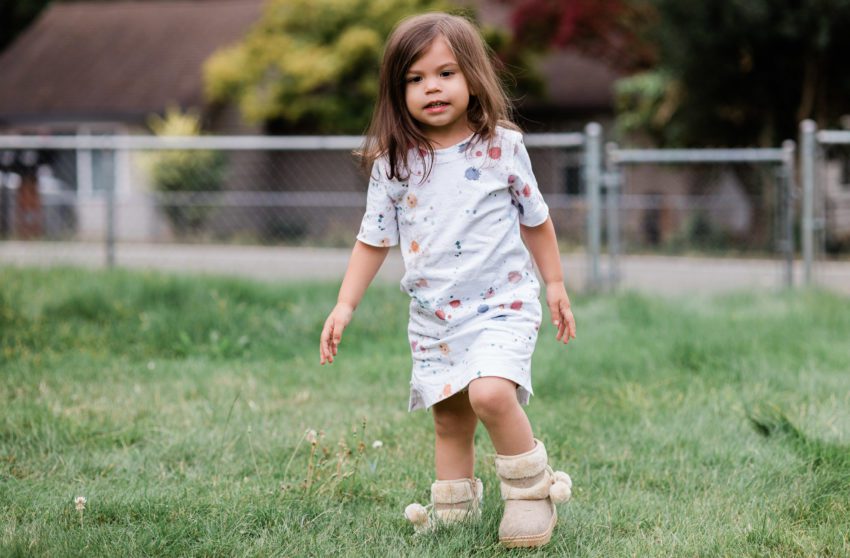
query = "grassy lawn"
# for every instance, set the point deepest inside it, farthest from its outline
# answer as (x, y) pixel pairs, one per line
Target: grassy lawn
(700, 426)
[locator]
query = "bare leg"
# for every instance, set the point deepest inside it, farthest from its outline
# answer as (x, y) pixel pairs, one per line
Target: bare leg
(494, 401)
(454, 425)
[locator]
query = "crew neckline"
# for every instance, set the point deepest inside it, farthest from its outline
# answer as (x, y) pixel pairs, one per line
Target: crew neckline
(454, 146)
(452, 152)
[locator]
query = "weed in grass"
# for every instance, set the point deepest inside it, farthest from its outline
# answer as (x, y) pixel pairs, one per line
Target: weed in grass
(328, 472)
(80, 505)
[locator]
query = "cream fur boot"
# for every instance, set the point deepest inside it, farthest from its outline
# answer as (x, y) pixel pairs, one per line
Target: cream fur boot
(530, 489)
(451, 501)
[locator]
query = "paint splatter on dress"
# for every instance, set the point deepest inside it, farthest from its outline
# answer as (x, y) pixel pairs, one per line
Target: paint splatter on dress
(474, 308)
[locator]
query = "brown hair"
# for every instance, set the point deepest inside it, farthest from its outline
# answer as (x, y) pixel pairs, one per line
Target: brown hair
(393, 131)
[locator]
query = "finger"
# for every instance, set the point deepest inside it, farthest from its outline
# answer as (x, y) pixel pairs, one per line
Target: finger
(570, 319)
(553, 311)
(329, 352)
(562, 331)
(331, 345)
(559, 326)
(337, 337)
(322, 342)
(327, 334)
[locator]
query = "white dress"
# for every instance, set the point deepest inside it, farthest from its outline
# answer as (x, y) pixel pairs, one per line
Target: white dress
(474, 308)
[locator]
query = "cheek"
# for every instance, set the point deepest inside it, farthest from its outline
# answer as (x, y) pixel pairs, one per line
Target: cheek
(409, 95)
(464, 87)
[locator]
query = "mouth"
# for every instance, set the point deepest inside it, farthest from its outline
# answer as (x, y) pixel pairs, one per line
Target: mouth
(436, 106)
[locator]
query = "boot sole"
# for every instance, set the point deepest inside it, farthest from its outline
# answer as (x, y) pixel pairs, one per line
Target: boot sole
(532, 540)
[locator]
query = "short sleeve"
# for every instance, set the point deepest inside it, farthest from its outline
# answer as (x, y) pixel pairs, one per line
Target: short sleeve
(379, 226)
(525, 195)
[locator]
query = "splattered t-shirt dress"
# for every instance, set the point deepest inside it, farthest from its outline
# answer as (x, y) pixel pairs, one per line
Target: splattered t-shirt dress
(474, 308)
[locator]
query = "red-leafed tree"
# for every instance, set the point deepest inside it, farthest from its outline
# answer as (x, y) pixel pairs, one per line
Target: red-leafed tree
(610, 30)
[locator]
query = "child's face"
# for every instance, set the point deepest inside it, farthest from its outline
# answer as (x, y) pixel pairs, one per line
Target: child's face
(437, 94)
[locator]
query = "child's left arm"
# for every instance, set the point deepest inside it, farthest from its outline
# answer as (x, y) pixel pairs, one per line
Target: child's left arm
(543, 244)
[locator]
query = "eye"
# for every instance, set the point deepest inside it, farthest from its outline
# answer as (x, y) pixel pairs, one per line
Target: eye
(414, 79)
(447, 73)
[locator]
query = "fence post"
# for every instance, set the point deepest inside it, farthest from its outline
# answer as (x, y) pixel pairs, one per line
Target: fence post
(788, 148)
(612, 220)
(808, 149)
(592, 175)
(110, 217)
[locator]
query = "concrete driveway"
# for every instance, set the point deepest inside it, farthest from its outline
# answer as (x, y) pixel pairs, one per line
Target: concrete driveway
(652, 274)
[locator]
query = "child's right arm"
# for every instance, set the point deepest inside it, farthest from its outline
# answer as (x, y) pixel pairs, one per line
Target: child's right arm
(365, 262)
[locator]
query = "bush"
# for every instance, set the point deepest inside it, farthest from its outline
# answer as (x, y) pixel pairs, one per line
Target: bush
(196, 172)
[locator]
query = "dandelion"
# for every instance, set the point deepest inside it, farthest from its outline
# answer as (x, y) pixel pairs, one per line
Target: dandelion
(310, 436)
(80, 504)
(377, 444)
(151, 365)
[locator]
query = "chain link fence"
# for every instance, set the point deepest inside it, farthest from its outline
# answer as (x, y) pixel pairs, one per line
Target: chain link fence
(308, 191)
(303, 191)
(700, 201)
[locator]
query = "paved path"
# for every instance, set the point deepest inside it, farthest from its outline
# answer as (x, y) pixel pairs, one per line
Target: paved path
(656, 274)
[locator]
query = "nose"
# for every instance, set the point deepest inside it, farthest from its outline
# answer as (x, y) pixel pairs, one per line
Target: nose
(432, 85)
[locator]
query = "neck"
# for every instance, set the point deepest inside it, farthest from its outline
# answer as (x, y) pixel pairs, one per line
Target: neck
(446, 138)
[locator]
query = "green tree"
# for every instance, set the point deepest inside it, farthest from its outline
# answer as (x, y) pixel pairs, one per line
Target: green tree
(740, 72)
(15, 16)
(312, 63)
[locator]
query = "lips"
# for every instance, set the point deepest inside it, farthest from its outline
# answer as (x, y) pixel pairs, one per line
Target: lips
(436, 107)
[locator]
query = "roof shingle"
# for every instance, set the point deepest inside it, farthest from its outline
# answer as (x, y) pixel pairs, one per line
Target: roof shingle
(116, 60)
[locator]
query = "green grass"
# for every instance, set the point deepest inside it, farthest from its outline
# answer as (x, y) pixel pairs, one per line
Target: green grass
(700, 426)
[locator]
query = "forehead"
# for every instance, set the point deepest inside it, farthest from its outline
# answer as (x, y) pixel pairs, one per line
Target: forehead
(438, 53)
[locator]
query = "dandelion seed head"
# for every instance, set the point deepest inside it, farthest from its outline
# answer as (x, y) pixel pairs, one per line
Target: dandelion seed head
(310, 435)
(377, 444)
(80, 503)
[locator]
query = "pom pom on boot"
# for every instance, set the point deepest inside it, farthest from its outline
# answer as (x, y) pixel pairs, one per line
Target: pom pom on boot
(562, 487)
(451, 501)
(418, 515)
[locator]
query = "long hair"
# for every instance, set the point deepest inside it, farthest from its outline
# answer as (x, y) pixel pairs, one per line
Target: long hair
(393, 131)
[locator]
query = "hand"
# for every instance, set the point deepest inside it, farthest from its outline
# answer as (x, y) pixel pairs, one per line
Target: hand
(337, 321)
(559, 307)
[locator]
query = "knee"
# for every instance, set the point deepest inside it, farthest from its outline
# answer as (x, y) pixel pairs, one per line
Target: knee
(449, 423)
(492, 401)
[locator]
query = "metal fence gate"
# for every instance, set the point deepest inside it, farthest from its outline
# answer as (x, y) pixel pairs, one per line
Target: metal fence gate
(771, 169)
(825, 177)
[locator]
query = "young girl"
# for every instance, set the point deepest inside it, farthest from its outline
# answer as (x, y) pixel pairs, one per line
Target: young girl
(451, 182)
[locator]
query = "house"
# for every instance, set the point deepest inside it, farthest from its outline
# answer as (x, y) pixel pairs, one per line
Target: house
(102, 68)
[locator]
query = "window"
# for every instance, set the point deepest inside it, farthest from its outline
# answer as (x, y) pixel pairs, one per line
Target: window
(574, 185)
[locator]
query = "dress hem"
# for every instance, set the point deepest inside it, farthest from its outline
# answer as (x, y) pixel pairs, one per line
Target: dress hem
(419, 399)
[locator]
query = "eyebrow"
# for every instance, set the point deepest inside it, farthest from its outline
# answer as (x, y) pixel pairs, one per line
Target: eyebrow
(440, 67)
